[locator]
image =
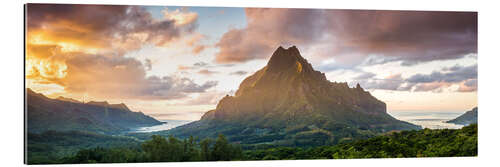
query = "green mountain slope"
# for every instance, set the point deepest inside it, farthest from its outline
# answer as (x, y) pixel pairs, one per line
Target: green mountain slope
(62, 114)
(469, 117)
(421, 143)
(287, 102)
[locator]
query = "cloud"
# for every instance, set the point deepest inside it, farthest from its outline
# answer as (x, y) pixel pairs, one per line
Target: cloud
(195, 41)
(207, 72)
(365, 75)
(207, 98)
(200, 64)
(351, 36)
(463, 76)
(198, 49)
(468, 86)
(410, 36)
(392, 82)
(432, 86)
(107, 76)
(196, 65)
(80, 48)
(104, 28)
(147, 63)
(181, 16)
(203, 67)
(238, 73)
(267, 28)
(456, 74)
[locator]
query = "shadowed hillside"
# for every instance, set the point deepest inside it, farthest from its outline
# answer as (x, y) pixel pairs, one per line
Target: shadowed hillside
(469, 117)
(64, 114)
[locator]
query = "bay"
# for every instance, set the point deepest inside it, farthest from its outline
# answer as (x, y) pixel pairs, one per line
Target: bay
(428, 119)
(167, 124)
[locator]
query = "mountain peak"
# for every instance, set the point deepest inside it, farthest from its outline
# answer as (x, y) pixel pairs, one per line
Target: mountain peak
(288, 95)
(284, 59)
(30, 92)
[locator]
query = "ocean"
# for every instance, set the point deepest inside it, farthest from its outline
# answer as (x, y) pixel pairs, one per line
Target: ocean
(168, 124)
(431, 120)
(426, 119)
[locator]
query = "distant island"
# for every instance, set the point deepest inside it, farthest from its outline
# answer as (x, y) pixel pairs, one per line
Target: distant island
(469, 117)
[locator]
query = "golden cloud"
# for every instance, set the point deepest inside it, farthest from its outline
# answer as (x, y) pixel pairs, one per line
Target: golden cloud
(80, 48)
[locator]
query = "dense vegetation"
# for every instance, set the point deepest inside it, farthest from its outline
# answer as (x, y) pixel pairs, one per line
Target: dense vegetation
(252, 137)
(50, 146)
(421, 143)
(160, 149)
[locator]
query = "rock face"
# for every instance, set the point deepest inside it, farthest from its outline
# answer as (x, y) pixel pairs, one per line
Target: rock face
(289, 91)
(64, 114)
(289, 97)
(469, 117)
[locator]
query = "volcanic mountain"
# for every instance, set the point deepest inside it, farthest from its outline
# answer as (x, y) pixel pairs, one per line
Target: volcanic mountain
(287, 102)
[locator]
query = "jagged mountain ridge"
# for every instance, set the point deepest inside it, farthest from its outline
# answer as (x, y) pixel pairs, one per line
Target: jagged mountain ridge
(288, 95)
(64, 114)
(289, 81)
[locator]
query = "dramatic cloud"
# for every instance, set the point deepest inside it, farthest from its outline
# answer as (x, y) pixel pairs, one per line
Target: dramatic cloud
(463, 76)
(410, 36)
(99, 28)
(455, 74)
(106, 76)
(466, 77)
(352, 36)
(268, 28)
(81, 48)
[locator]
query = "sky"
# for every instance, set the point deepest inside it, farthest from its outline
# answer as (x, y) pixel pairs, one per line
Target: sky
(177, 62)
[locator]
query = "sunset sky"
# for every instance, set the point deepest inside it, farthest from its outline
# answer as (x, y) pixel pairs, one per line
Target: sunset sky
(177, 62)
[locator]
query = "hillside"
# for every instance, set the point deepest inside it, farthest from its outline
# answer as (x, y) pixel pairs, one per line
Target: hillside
(421, 143)
(287, 102)
(64, 114)
(469, 117)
